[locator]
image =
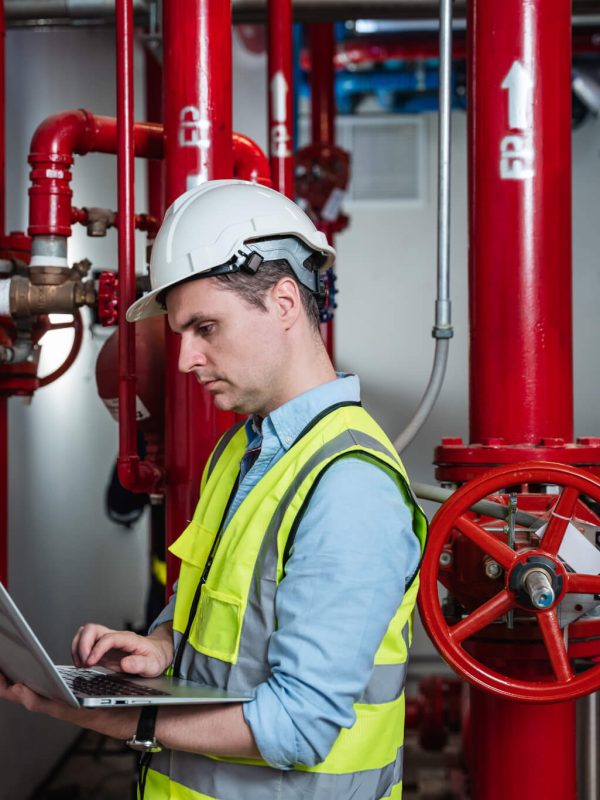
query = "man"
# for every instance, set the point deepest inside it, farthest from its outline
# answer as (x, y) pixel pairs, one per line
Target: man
(298, 576)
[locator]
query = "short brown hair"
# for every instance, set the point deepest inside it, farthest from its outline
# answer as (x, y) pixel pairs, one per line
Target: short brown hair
(253, 287)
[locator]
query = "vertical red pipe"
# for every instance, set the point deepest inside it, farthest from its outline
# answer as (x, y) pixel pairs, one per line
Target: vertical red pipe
(520, 221)
(154, 113)
(198, 136)
(322, 89)
(135, 475)
(4, 490)
(2, 121)
(522, 751)
(281, 93)
(3, 400)
(520, 312)
(126, 242)
(322, 77)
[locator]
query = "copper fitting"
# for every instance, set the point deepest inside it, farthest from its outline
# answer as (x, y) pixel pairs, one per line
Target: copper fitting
(98, 220)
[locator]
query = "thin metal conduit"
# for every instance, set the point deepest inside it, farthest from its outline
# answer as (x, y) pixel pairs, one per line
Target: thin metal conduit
(442, 330)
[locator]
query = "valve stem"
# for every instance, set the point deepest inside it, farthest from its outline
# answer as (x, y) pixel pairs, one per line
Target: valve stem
(538, 587)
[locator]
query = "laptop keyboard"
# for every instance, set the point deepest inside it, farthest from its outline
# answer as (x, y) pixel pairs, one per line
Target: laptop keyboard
(93, 684)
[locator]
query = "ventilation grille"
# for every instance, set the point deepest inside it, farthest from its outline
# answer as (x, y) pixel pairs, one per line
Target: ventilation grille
(388, 157)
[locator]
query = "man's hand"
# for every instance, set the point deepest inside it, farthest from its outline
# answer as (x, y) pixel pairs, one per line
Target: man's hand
(119, 723)
(22, 695)
(124, 651)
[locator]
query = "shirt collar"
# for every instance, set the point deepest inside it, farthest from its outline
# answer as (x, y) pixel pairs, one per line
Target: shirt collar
(289, 420)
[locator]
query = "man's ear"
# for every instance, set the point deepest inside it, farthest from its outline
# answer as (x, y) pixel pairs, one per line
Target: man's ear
(288, 302)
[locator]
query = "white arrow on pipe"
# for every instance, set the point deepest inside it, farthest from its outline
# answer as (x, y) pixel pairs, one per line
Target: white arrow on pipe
(519, 84)
(279, 90)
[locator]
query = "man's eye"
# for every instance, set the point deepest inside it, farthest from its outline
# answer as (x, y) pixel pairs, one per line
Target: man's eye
(205, 330)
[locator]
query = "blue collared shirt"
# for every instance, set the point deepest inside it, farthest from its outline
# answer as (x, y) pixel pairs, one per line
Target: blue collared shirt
(353, 553)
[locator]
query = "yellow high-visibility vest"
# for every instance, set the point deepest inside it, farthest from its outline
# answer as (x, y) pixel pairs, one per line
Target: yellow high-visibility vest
(222, 632)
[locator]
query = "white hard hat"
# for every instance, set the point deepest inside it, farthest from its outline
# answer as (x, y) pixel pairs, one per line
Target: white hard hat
(217, 228)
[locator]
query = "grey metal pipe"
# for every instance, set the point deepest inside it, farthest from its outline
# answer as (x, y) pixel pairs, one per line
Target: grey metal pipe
(332, 10)
(442, 329)
(431, 394)
(442, 305)
(31, 10)
(488, 508)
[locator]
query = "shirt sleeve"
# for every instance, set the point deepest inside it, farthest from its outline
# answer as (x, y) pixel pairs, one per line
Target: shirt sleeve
(168, 612)
(345, 579)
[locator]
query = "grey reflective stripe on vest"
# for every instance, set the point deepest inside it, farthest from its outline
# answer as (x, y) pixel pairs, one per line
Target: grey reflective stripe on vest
(386, 684)
(387, 681)
(221, 445)
(229, 781)
(252, 666)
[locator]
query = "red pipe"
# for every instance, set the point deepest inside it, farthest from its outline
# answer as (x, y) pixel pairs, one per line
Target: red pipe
(417, 47)
(134, 474)
(154, 113)
(4, 490)
(520, 222)
(521, 381)
(378, 50)
(3, 400)
(322, 78)
(281, 94)
(55, 142)
(322, 48)
(2, 121)
(60, 137)
(198, 147)
(249, 161)
(522, 751)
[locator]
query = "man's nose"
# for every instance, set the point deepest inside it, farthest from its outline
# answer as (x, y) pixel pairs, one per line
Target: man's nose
(190, 356)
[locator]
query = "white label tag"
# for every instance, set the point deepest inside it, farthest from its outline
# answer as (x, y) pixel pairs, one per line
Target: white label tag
(331, 210)
(112, 404)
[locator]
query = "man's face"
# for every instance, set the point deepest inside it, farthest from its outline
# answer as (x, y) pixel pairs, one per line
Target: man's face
(233, 349)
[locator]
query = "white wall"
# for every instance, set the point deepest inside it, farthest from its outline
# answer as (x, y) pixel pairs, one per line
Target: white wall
(67, 563)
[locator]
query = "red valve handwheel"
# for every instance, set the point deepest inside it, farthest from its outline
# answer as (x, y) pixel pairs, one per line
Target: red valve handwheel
(449, 638)
(77, 324)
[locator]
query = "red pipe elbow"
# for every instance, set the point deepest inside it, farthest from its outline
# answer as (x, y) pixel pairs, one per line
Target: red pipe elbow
(249, 161)
(78, 132)
(139, 476)
(54, 143)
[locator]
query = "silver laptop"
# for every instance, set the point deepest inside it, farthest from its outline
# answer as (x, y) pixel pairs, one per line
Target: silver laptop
(24, 660)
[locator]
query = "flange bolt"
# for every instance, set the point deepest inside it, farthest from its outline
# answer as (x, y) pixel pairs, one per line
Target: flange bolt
(492, 569)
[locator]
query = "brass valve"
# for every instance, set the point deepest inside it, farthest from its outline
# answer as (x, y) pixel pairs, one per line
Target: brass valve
(51, 290)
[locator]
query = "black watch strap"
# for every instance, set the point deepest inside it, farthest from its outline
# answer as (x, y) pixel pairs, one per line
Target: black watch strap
(147, 723)
(144, 739)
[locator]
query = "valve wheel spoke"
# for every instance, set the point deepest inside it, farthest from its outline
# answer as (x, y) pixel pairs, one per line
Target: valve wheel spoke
(561, 516)
(583, 584)
(555, 645)
(499, 551)
(484, 616)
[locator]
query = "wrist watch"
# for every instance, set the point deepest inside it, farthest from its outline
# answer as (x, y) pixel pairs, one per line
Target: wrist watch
(144, 740)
